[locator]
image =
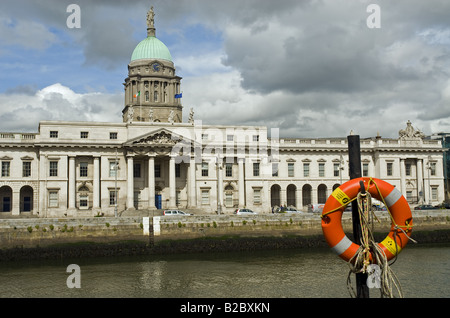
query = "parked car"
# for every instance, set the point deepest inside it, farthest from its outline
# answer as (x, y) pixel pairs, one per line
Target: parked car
(175, 212)
(424, 207)
(289, 210)
(244, 212)
(443, 206)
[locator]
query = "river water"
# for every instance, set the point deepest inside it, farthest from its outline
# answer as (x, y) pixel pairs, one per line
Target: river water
(295, 273)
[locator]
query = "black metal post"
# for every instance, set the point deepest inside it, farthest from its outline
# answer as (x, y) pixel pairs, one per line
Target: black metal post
(354, 158)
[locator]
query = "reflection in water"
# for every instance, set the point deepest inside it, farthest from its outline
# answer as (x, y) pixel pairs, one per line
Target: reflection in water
(423, 272)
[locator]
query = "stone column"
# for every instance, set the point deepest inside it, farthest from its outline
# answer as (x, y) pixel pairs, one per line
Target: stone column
(96, 186)
(241, 183)
(151, 182)
(219, 186)
(15, 201)
(420, 193)
(283, 197)
(72, 191)
(130, 183)
(403, 177)
(298, 198)
(172, 183)
(192, 183)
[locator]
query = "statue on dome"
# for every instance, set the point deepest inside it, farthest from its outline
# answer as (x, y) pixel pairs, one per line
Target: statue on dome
(151, 18)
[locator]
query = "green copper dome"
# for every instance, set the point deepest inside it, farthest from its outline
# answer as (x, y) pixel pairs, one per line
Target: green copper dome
(151, 48)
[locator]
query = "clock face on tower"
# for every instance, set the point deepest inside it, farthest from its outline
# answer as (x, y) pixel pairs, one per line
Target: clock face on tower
(155, 67)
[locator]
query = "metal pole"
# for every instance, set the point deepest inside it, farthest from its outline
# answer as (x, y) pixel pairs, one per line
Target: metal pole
(354, 158)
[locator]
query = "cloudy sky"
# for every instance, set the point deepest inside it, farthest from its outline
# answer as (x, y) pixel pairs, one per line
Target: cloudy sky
(312, 68)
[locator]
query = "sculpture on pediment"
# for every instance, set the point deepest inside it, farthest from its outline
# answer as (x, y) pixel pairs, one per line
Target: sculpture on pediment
(171, 117)
(191, 116)
(410, 133)
(130, 114)
(160, 138)
(150, 116)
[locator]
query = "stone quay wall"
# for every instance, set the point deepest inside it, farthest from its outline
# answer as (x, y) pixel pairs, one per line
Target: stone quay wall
(99, 236)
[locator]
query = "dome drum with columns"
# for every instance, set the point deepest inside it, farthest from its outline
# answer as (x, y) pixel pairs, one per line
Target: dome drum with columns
(152, 85)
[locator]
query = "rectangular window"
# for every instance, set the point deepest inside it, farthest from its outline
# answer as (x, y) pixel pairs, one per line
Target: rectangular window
(137, 170)
(5, 168)
(53, 199)
(157, 171)
(113, 168)
(229, 199)
(389, 168)
(83, 169)
(112, 197)
(84, 135)
(408, 169)
(53, 172)
(321, 170)
(177, 170)
(204, 169)
(290, 170)
(433, 168)
(365, 171)
(204, 137)
(256, 169)
(205, 197)
(83, 201)
(53, 134)
(274, 169)
(230, 137)
(306, 169)
(255, 137)
(228, 169)
(434, 193)
(336, 169)
(112, 135)
(26, 169)
(409, 196)
(257, 196)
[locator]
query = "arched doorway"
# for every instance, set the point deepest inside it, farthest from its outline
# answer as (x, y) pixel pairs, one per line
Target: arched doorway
(306, 195)
(290, 193)
(26, 199)
(321, 194)
(275, 195)
(5, 199)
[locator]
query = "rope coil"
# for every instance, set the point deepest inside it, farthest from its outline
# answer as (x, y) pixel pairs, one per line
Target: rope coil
(360, 263)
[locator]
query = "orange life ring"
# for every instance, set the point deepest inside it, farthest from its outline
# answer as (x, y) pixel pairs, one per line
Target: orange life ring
(395, 202)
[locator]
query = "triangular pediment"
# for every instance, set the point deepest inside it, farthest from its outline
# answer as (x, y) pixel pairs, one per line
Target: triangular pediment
(160, 137)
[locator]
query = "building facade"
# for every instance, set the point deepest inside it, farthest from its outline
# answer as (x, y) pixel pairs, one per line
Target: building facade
(153, 160)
